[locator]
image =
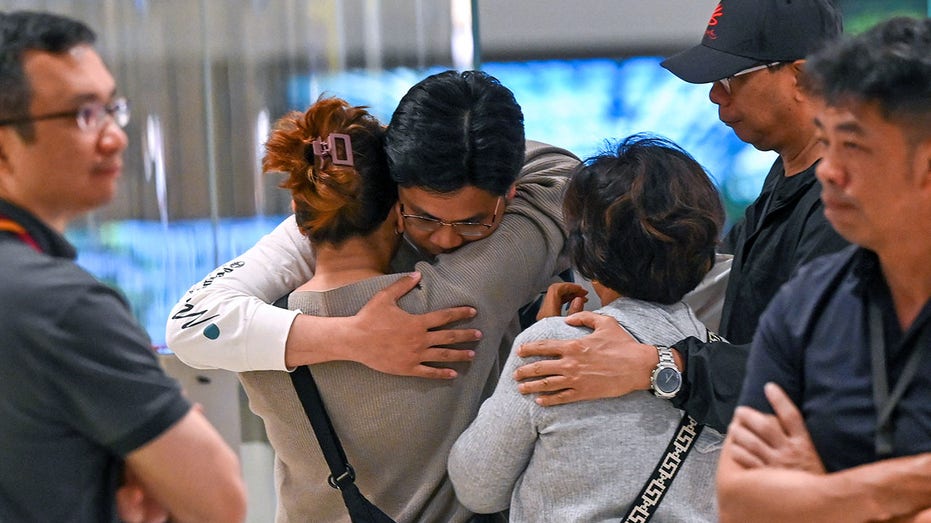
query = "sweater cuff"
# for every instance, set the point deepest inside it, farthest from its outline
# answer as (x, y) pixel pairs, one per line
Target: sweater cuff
(268, 334)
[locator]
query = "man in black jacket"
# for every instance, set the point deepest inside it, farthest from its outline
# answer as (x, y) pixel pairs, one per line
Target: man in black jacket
(752, 53)
(834, 412)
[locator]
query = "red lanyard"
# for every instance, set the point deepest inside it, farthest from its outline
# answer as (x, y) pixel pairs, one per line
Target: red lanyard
(9, 225)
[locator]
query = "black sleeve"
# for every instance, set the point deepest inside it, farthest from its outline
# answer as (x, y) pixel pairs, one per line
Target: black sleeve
(711, 383)
(732, 239)
(817, 237)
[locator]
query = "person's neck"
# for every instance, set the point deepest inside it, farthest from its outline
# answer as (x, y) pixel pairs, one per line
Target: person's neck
(605, 295)
(799, 156)
(352, 261)
(908, 275)
(55, 220)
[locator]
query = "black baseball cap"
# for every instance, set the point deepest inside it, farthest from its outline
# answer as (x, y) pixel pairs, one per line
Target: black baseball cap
(745, 33)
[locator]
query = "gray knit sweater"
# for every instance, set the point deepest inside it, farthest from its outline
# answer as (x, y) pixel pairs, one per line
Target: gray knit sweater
(397, 431)
(584, 461)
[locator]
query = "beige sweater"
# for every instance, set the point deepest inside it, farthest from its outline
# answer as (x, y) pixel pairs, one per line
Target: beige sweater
(397, 431)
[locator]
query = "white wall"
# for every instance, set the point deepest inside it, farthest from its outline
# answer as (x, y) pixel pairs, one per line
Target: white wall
(541, 28)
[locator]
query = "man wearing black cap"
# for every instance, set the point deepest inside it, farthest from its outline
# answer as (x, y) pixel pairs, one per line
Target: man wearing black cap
(752, 53)
(834, 417)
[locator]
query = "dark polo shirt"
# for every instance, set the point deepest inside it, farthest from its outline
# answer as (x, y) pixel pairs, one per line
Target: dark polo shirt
(814, 342)
(80, 386)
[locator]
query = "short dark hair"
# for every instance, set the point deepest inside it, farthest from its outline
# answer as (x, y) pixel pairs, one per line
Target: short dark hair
(333, 201)
(456, 129)
(890, 64)
(22, 31)
(643, 219)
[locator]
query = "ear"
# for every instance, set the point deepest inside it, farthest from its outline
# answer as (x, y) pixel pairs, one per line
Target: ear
(4, 158)
(798, 72)
(399, 220)
(922, 164)
(512, 191)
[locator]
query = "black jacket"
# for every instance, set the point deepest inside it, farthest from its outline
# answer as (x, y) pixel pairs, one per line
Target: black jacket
(783, 229)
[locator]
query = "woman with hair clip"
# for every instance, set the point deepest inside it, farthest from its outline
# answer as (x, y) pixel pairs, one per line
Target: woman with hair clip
(345, 204)
(643, 223)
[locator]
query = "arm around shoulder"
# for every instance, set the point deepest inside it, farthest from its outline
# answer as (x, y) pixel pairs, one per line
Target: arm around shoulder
(227, 321)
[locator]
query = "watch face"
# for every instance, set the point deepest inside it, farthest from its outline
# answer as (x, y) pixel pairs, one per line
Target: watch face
(668, 380)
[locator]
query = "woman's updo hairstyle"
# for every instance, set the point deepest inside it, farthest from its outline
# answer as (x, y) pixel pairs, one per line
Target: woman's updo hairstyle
(643, 220)
(339, 190)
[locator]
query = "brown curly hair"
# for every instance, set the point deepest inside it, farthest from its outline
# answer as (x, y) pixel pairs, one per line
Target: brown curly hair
(333, 202)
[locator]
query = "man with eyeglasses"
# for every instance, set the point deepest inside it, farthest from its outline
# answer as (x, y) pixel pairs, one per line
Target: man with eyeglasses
(835, 422)
(92, 428)
(752, 53)
(467, 229)
(480, 214)
(481, 219)
(90, 116)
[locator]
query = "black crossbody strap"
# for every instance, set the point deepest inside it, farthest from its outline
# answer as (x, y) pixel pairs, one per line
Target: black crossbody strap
(342, 476)
(683, 440)
(340, 470)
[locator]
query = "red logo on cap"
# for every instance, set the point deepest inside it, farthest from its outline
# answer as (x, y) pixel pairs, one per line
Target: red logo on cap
(718, 11)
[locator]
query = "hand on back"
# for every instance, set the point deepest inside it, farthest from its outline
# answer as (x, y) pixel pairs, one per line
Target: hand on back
(607, 363)
(388, 339)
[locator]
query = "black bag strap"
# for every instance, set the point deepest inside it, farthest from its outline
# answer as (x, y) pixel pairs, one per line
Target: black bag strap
(341, 471)
(342, 476)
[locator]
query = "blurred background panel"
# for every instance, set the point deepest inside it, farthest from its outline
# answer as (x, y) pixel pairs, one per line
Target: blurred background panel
(206, 78)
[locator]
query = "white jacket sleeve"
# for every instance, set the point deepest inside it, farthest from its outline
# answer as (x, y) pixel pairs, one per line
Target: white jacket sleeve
(225, 320)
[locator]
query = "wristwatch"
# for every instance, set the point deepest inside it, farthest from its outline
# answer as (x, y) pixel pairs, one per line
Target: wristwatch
(666, 379)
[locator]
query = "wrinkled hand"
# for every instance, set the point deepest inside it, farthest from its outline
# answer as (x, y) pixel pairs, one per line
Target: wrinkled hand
(605, 364)
(559, 294)
(134, 504)
(781, 440)
(388, 339)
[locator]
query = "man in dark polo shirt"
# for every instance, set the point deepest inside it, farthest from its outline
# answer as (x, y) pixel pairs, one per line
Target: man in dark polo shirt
(847, 340)
(91, 428)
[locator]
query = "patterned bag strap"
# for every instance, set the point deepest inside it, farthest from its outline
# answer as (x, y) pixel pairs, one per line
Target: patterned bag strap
(668, 466)
(652, 493)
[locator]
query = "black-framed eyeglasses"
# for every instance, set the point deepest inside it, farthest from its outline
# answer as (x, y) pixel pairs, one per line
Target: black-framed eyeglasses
(90, 117)
(726, 82)
(464, 229)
